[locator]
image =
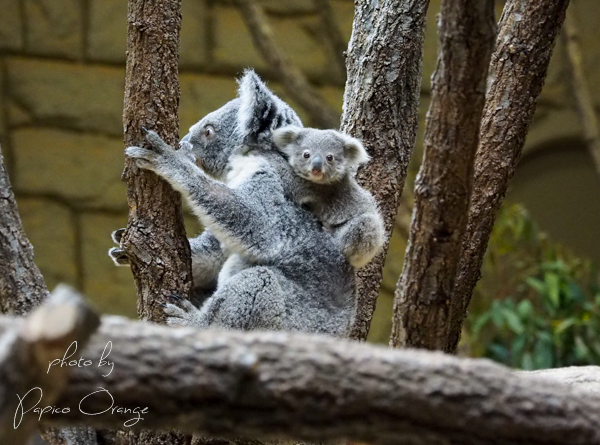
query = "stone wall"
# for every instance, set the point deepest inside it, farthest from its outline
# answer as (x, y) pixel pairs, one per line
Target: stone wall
(61, 99)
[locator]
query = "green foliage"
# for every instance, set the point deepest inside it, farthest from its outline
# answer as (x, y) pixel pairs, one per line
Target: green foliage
(546, 302)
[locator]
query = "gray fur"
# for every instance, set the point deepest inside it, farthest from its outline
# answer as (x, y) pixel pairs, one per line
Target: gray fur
(331, 193)
(283, 270)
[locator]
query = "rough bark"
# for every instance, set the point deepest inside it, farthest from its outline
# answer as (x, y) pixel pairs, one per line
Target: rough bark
(22, 286)
(283, 385)
(294, 81)
(526, 35)
(581, 89)
(25, 354)
(381, 107)
(466, 30)
(155, 240)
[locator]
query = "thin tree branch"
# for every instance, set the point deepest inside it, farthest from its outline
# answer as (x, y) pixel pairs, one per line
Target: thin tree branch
(332, 31)
(297, 386)
(381, 107)
(526, 35)
(293, 80)
(466, 30)
(580, 85)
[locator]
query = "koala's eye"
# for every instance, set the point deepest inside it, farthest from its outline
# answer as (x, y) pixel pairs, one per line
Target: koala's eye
(306, 154)
(329, 158)
(209, 132)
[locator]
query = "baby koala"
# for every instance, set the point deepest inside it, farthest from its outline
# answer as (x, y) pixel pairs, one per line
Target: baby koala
(328, 160)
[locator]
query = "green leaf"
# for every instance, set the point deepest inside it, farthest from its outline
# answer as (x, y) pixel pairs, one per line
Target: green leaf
(525, 309)
(480, 322)
(518, 345)
(527, 362)
(513, 321)
(543, 354)
(564, 325)
(538, 285)
(553, 284)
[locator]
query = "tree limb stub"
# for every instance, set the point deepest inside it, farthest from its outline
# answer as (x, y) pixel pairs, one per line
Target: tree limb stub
(155, 239)
(298, 386)
(466, 30)
(26, 351)
(526, 35)
(381, 107)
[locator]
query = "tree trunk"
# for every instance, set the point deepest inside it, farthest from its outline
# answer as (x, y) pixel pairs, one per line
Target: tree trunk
(526, 36)
(22, 286)
(466, 30)
(155, 239)
(297, 386)
(381, 107)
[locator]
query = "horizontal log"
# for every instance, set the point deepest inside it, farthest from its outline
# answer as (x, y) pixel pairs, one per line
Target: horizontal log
(283, 385)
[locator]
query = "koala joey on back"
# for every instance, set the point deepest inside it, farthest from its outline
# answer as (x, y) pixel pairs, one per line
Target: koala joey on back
(328, 160)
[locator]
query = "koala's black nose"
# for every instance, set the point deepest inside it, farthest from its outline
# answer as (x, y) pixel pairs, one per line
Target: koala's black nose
(317, 163)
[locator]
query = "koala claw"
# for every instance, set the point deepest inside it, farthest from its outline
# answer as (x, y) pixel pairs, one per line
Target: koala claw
(157, 143)
(117, 235)
(118, 256)
(145, 129)
(175, 297)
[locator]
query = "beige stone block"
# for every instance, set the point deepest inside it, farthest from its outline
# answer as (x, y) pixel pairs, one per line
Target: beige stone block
(67, 94)
(201, 94)
(77, 167)
(55, 27)
(291, 7)
(234, 47)
(233, 44)
(107, 35)
(193, 34)
(11, 28)
(50, 229)
(110, 288)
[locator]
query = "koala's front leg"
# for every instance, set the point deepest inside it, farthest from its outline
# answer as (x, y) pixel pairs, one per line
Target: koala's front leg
(235, 219)
(360, 239)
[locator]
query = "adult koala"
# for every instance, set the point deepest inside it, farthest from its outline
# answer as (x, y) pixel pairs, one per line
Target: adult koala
(277, 268)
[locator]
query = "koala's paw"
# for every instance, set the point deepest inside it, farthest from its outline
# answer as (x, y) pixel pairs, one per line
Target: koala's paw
(163, 160)
(116, 254)
(180, 312)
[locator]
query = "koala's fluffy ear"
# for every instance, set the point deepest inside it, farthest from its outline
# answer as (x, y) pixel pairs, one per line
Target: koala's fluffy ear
(261, 111)
(355, 151)
(284, 136)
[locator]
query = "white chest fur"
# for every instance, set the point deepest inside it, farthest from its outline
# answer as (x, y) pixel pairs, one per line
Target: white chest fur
(241, 168)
